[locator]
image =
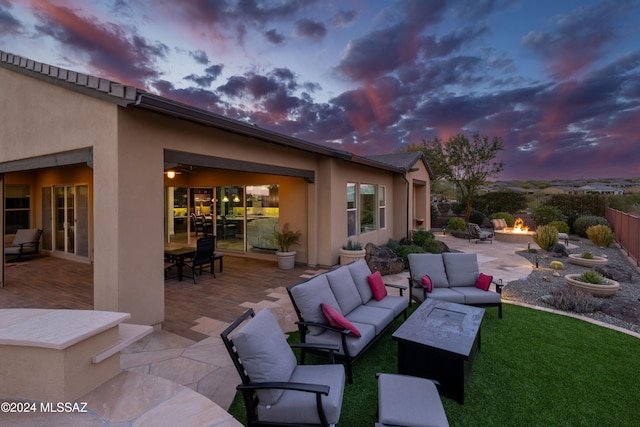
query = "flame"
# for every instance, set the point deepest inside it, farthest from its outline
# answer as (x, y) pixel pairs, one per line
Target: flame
(519, 227)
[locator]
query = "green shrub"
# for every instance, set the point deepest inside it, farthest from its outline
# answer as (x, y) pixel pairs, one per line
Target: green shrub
(508, 218)
(592, 277)
(457, 224)
(570, 299)
(403, 250)
(601, 235)
(561, 226)
(433, 247)
(421, 237)
(582, 223)
(556, 265)
(545, 236)
(545, 214)
(586, 255)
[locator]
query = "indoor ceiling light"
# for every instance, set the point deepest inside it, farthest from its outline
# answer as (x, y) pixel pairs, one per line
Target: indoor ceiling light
(236, 198)
(225, 199)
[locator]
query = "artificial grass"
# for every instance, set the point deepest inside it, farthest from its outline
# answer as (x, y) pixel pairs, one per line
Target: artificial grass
(534, 368)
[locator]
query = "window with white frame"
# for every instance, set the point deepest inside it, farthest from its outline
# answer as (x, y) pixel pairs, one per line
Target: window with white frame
(352, 210)
(368, 208)
(382, 207)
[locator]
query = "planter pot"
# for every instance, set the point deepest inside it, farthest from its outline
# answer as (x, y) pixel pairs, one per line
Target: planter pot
(347, 256)
(578, 260)
(596, 290)
(286, 260)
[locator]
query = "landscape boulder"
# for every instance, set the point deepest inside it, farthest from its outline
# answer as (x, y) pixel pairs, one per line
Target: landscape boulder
(383, 259)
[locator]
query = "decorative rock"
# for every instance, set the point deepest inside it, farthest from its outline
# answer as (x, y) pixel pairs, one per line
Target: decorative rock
(615, 272)
(558, 250)
(383, 259)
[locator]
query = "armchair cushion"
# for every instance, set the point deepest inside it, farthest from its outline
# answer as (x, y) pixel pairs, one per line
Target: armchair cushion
(430, 264)
(483, 281)
(265, 354)
(338, 320)
(377, 286)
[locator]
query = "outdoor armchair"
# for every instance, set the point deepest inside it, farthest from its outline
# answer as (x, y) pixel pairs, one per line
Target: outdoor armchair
(26, 241)
(276, 390)
(478, 234)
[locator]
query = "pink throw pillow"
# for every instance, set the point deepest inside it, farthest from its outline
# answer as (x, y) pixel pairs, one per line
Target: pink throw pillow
(377, 286)
(483, 281)
(426, 282)
(338, 320)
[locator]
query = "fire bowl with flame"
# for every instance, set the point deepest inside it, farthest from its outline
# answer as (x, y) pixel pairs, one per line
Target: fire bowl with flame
(518, 234)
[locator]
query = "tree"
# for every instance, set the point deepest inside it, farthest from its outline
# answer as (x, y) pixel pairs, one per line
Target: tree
(467, 164)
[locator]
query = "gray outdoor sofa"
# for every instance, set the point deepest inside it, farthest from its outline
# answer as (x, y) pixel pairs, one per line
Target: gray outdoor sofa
(453, 277)
(347, 290)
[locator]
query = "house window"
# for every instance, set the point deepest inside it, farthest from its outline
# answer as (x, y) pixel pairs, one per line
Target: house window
(17, 208)
(352, 210)
(382, 207)
(368, 208)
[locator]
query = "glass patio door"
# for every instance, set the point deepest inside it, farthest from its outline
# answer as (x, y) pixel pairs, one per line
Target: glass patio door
(66, 219)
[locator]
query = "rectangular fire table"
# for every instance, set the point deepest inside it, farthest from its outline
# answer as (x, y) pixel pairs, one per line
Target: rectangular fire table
(440, 341)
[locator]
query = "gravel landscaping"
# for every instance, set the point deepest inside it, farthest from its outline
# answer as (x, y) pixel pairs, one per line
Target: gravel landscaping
(622, 309)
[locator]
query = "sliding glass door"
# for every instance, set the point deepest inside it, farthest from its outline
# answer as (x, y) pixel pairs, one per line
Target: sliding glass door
(65, 219)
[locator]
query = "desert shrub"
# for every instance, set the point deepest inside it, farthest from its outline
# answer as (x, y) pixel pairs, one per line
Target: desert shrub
(456, 223)
(545, 214)
(508, 218)
(600, 235)
(592, 277)
(545, 236)
(421, 237)
(561, 226)
(393, 244)
(582, 223)
(403, 250)
(500, 201)
(586, 255)
(570, 299)
(579, 204)
(476, 217)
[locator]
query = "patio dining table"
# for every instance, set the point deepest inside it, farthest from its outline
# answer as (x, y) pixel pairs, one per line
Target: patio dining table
(178, 255)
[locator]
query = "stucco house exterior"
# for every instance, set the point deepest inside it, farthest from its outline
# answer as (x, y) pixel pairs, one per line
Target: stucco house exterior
(91, 162)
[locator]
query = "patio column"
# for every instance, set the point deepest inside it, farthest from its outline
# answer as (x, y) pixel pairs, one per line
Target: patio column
(128, 227)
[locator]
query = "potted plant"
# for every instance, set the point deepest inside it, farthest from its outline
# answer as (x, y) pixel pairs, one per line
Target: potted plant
(285, 239)
(350, 252)
(592, 283)
(587, 259)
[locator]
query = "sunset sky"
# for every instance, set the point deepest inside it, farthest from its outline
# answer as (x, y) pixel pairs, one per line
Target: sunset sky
(558, 80)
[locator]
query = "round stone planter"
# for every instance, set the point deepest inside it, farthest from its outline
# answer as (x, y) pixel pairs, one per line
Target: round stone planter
(595, 261)
(286, 260)
(602, 291)
(347, 256)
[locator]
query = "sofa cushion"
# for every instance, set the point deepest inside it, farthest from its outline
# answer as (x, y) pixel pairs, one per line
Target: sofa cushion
(360, 272)
(300, 408)
(376, 316)
(344, 289)
(431, 264)
(395, 303)
(378, 288)
(265, 353)
(473, 295)
(354, 345)
(461, 268)
(483, 281)
(309, 295)
(336, 319)
(449, 294)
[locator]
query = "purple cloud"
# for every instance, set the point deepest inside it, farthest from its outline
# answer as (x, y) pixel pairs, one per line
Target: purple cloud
(310, 29)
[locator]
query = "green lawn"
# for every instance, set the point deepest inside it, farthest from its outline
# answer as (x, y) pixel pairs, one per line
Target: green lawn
(534, 369)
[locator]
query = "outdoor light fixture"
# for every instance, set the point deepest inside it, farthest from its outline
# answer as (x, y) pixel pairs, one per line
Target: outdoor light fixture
(171, 174)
